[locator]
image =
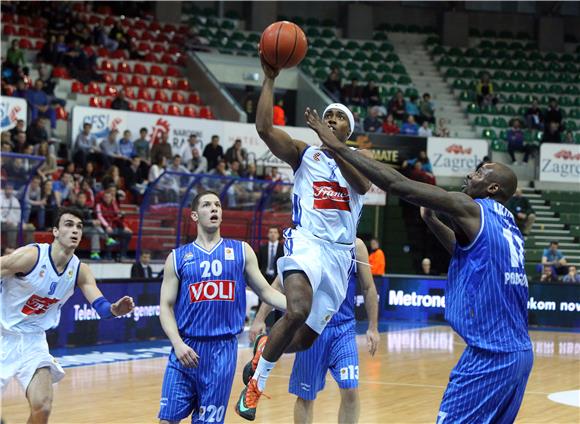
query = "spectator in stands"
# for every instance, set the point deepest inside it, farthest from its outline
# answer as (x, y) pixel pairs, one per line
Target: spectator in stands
(411, 107)
(20, 143)
(279, 115)
(135, 178)
(427, 109)
(410, 127)
(552, 133)
(522, 211)
(442, 130)
(213, 152)
(85, 146)
(234, 168)
(548, 275)
(120, 102)
(101, 39)
(553, 115)
(34, 203)
(186, 150)
(49, 166)
(119, 35)
(333, 84)
(126, 146)
(86, 187)
(61, 48)
(141, 146)
(515, 139)
(269, 253)
(19, 127)
(572, 276)
(416, 172)
(397, 106)
(371, 95)
(484, 91)
(424, 130)
(142, 268)
(164, 187)
(52, 201)
(390, 126)
(162, 148)
(14, 57)
(552, 257)
(112, 176)
(358, 127)
(63, 187)
(372, 122)
(198, 163)
(534, 116)
(113, 222)
(178, 181)
(21, 89)
(352, 94)
(109, 148)
(426, 267)
(236, 153)
(49, 53)
(36, 132)
(39, 104)
(423, 160)
(376, 258)
(10, 213)
(92, 228)
(569, 138)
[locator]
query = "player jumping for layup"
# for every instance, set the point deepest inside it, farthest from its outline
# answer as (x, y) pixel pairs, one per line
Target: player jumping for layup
(487, 290)
(319, 250)
(36, 281)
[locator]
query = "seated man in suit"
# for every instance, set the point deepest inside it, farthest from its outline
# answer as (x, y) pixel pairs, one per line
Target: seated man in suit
(268, 255)
(141, 268)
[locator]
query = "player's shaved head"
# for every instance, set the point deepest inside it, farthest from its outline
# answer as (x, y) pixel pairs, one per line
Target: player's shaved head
(493, 180)
(506, 179)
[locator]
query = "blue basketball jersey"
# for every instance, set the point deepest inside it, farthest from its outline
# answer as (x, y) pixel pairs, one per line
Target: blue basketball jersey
(346, 311)
(487, 290)
(211, 301)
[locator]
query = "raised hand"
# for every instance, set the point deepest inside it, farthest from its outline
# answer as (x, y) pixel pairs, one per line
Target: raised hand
(322, 129)
(122, 306)
(269, 71)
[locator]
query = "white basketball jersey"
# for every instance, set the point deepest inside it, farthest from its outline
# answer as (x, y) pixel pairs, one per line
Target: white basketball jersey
(31, 303)
(323, 202)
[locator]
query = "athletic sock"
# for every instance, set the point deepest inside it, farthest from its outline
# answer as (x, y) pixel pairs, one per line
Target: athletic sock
(262, 372)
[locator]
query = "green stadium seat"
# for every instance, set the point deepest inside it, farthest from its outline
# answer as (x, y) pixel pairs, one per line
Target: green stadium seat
(410, 91)
(473, 108)
(360, 56)
(459, 84)
(369, 46)
(328, 33)
(354, 75)
(404, 80)
(556, 89)
(524, 87)
(570, 126)
(533, 77)
(298, 20)
(352, 66)
(335, 44)
(499, 75)
(499, 123)
(455, 51)
(452, 73)
(502, 135)
(399, 69)
(489, 134)
(467, 96)
(379, 36)
(367, 67)
(461, 62)
(508, 110)
(468, 74)
(321, 74)
(253, 37)
(539, 89)
(500, 45)
(481, 121)
(555, 67)
(319, 43)
(486, 44)
(329, 54)
(432, 40)
(444, 61)
(371, 76)
(237, 36)
(508, 87)
(386, 47)
(476, 63)
(392, 57)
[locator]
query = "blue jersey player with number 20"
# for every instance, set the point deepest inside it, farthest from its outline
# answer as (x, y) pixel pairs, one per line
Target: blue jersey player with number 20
(203, 307)
(487, 290)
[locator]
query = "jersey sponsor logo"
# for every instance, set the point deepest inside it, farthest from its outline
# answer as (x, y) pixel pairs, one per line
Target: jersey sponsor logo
(216, 290)
(229, 254)
(330, 195)
(188, 256)
(316, 156)
(36, 305)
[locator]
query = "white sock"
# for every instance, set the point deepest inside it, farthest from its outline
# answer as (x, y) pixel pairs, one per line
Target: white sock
(262, 372)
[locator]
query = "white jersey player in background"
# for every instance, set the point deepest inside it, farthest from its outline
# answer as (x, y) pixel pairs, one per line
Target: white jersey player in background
(319, 249)
(37, 280)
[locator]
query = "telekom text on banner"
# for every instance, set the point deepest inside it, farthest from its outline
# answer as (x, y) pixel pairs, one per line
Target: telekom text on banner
(560, 163)
(455, 157)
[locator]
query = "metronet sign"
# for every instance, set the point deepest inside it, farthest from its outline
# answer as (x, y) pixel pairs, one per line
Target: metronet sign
(400, 298)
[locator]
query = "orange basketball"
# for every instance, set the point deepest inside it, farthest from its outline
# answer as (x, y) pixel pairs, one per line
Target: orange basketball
(283, 44)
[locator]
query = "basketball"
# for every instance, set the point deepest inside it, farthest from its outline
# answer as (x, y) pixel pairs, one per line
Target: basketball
(283, 44)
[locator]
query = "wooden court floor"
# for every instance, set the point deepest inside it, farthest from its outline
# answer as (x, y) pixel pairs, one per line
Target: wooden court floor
(403, 383)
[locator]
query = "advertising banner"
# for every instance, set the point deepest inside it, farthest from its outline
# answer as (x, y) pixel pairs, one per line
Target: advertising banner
(11, 110)
(455, 157)
(391, 149)
(560, 162)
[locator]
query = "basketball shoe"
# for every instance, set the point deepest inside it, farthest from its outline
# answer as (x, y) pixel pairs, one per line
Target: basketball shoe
(248, 401)
(250, 367)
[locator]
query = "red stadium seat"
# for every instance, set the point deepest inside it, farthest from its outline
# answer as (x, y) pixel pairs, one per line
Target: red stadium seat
(183, 84)
(160, 96)
(108, 103)
(144, 94)
(24, 32)
(8, 29)
(123, 67)
(189, 111)
(177, 97)
(158, 109)
(194, 98)
(108, 78)
(102, 52)
(137, 80)
(169, 28)
(25, 43)
(162, 38)
(168, 59)
(8, 18)
(39, 45)
(119, 54)
(92, 88)
(153, 82)
(142, 107)
(167, 83)
(110, 91)
(173, 50)
(132, 33)
(37, 32)
(60, 72)
(178, 40)
(9, 89)
(154, 26)
(139, 68)
(158, 48)
(94, 19)
(77, 87)
(140, 24)
(147, 36)
(173, 110)
(129, 92)
(180, 59)
(121, 80)
(95, 102)
(109, 21)
(106, 66)
(61, 113)
(172, 71)
(23, 20)
(150, 57)
(89, 51)
(144, 46)
(156, 70)
(206, 113)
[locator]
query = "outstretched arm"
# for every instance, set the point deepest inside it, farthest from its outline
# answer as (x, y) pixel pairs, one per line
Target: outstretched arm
(92, 293)
(358, 181)
(365, 279)
(259, 284)
(444, 234)
(278, 141)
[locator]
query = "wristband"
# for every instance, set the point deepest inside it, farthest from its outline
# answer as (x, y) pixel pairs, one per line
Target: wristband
(103, 307)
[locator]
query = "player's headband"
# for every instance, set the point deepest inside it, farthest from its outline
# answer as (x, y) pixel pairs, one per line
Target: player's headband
(343, 109)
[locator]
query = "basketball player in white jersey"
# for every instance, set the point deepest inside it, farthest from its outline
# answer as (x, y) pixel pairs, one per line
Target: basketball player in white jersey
(319, 249)
(37, 280)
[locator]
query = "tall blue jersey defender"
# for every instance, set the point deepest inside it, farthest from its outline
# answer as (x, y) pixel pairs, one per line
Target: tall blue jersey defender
(486, 304)
(210, 310)
(335, 350)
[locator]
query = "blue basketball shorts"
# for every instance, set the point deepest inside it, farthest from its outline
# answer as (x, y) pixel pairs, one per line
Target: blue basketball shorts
(203, 391)
(335, 350)
(486, 387)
